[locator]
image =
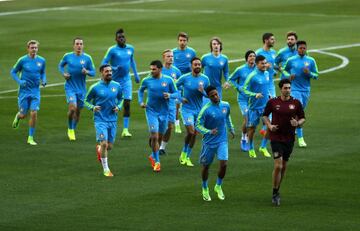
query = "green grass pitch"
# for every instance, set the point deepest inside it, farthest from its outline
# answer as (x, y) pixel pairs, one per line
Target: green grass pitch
(58, 185)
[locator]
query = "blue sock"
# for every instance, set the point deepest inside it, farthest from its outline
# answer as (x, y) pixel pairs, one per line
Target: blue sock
(263, 143)
(188, 153)
(251, 144)
(31, 131)
(219, 181)
(299, 132)
(205, 184)
(156, 155)
(185, 148)
(126, 121)
(70, 124)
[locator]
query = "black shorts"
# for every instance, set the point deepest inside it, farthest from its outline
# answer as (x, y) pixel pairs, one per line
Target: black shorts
(283, 149)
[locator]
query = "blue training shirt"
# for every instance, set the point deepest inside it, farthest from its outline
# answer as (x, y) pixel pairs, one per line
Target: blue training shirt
(31, 70)
(182, 59)
(214, 116)
(214, 67)
(257, 82)
(238, 77)
(107, 96)
(121, 59)
(190, 85)
(156, 87)
(270, 56)
(175, 74)
(74, 64)
(295, 65)
(283, 55)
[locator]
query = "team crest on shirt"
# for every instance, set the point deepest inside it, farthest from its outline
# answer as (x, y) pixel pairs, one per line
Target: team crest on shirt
(267, 78)
(221, 63)
(306, 64)
(277, 107)
(164, 84)
(82, 62)
(188, 55)
(201, 83)
(273, 56)
(129, 52)
(173, 75)
(102, 136)
(292, 106)
(113, 89)
(38, 64)
(224, 110)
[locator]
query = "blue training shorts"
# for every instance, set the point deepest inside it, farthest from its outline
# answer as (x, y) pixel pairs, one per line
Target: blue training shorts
(28, 102)
(172, 115)
(126, 89)
(75, 97)
(243, 105)
(253, 117)
(208, 152)
(189, 117)
(302, 96)
(156, 122)
(105, 131)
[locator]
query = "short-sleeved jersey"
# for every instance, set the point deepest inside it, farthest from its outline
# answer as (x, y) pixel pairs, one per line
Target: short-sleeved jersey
(214, 67)
(238, 77)
(107, 96)
(73, 64)
(190, 85)
(282, 112)
(182, 59)
(257, 82)
(156, 87)
(270, 56)
(31, 70)
(283, 55)
(214, 116)
(295, 65)
(120, 59)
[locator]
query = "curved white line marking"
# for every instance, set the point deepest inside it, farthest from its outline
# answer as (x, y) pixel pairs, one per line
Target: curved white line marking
(345, 61)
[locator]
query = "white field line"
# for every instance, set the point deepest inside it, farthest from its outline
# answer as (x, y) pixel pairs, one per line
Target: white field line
(345, 62)
(62, 8)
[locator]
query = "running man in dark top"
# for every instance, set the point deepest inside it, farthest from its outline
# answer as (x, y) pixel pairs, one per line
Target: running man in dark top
(287, 115)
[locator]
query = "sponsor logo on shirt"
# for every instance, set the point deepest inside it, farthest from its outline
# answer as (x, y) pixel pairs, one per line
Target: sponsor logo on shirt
(292, 106)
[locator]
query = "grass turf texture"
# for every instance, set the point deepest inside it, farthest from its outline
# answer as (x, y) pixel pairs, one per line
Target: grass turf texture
(58, 185)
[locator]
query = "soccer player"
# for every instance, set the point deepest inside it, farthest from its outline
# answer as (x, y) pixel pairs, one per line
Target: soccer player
(212, 121)
(216, 65)
(183, 54)
(237, 80)
(193, 85)
(159, 87)
(270, 54)
(104, 98)
(78, 65)
(121, 58)
(301, 68)
(256, 87)
(169, 70)
(28, 71)
(285, 53)
(287, 114)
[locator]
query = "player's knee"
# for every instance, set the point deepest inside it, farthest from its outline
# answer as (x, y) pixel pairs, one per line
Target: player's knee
(104, 145)
(21, 116)
(109, 146)
(33, 113)
(278, 165)
(154, 137)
